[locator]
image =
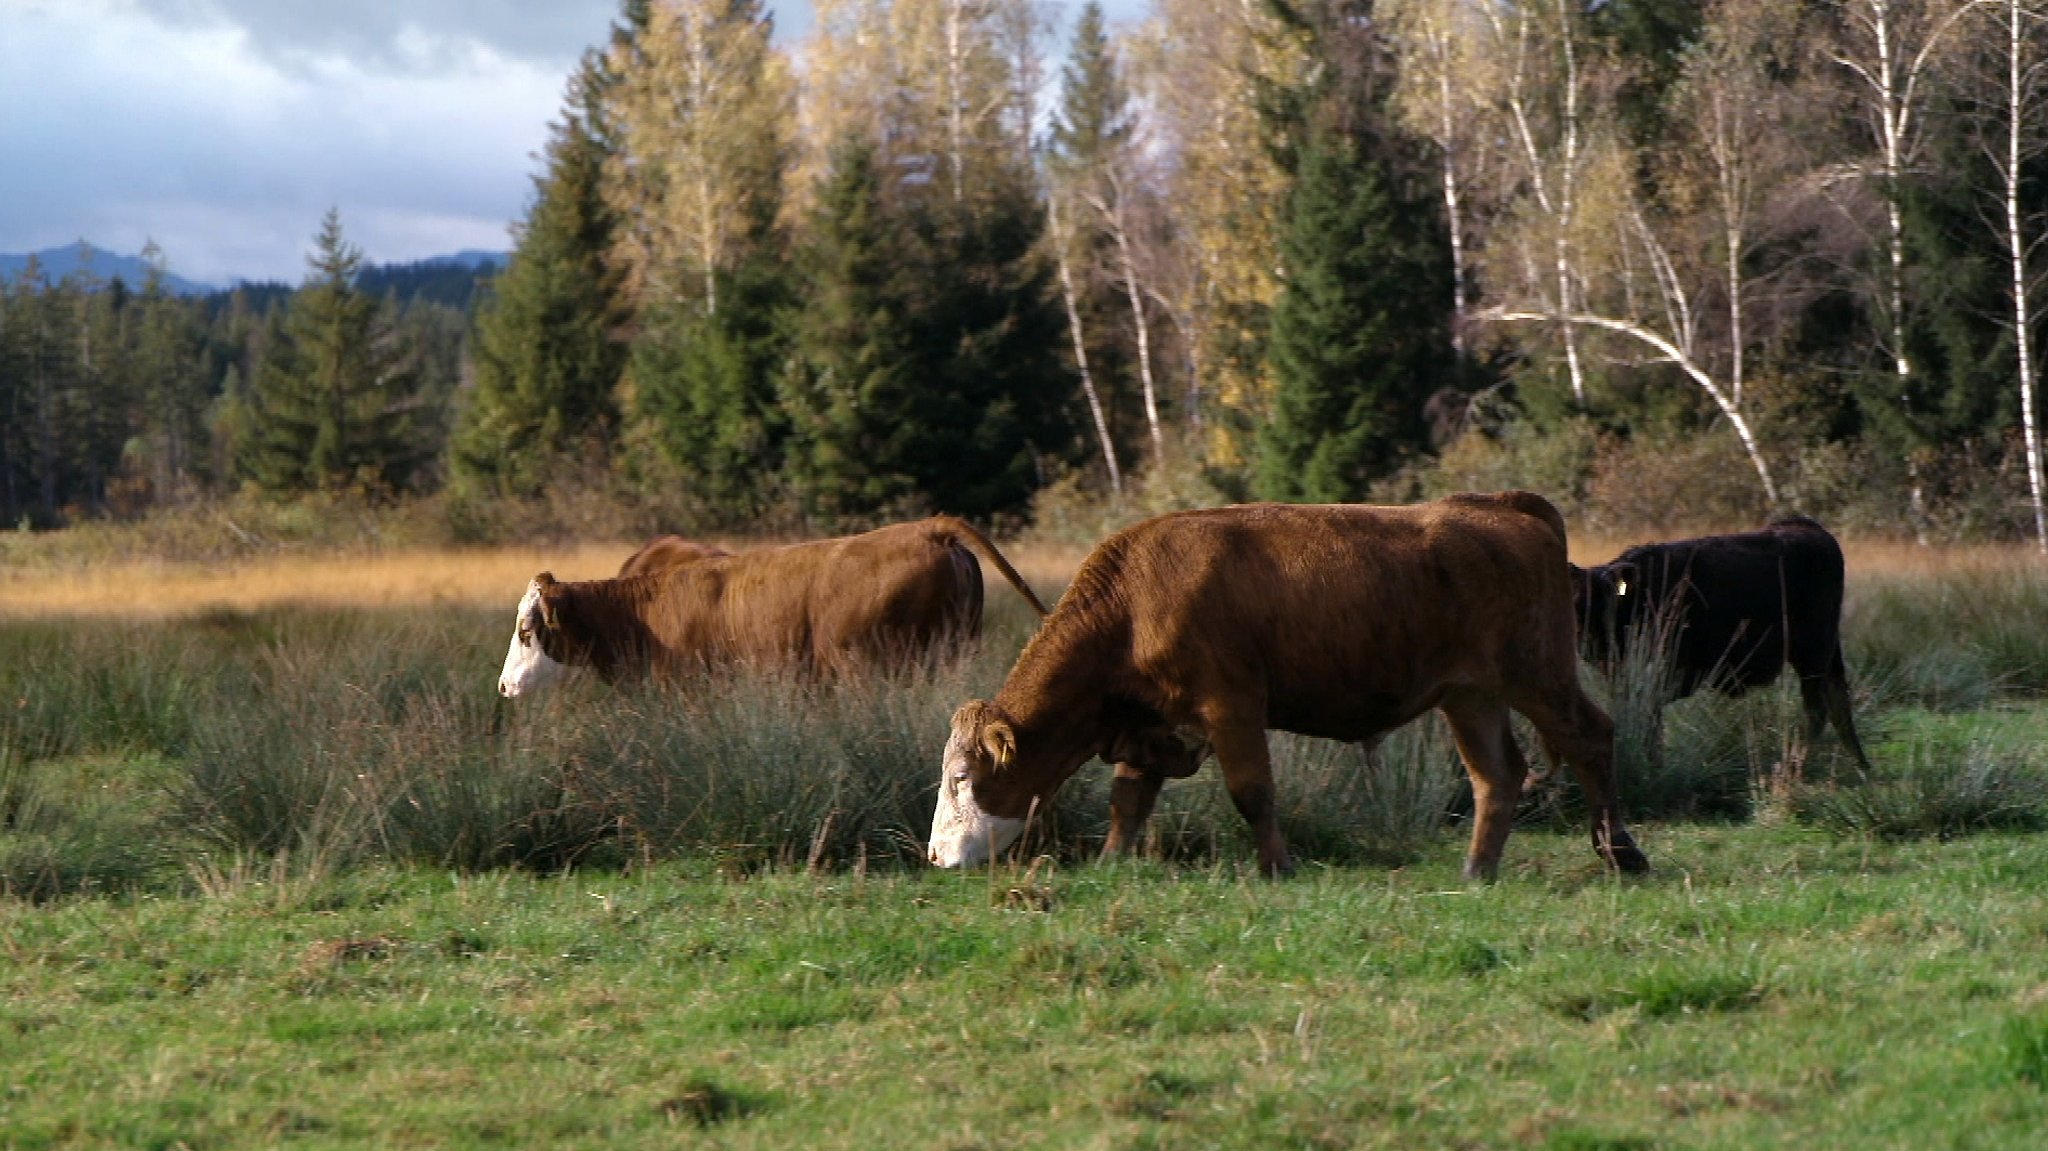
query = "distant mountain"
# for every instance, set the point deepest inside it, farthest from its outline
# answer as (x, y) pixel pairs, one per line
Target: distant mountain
(452, 279)
(58, 263)
(474, 259)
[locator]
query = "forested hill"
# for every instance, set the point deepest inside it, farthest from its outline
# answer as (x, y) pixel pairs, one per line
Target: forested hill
(453, 280)
(81, 257)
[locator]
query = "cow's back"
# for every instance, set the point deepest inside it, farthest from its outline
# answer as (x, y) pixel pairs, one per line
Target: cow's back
(665, 553)
(1346, 619)
(895, 593)
(1744, 604)
(822, 605)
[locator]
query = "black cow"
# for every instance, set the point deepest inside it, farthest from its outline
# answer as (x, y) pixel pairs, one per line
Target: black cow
(1734, 610)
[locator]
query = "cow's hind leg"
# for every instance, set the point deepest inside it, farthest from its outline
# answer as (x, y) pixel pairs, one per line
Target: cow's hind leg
(1132, 792)
(1248, 776)
(1827, 701)
(1487, 745)
(1575, 730)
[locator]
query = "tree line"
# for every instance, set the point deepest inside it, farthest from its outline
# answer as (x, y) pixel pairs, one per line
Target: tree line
(116, 399)
(1299, 245)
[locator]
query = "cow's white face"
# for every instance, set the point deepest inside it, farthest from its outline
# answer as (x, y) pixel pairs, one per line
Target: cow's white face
(527, 666)
(963, 835)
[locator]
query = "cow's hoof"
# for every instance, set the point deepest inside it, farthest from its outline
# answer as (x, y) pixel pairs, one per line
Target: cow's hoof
(1620, 851)
(1477, 872)
(1626, 857)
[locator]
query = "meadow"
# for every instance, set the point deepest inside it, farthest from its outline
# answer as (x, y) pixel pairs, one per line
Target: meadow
(280, 866)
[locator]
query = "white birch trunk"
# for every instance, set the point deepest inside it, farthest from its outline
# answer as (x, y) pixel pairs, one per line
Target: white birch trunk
(2016, 241)
(1144, 347)
(1894, 83)
(956, 129)
(1567, 187)
(1059, 241)
(1670, 353)
(1113, 216)
(1453, 212)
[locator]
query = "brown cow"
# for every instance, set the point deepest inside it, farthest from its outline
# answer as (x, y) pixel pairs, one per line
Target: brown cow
(819, 607)
(1338, 621)
(664, 553)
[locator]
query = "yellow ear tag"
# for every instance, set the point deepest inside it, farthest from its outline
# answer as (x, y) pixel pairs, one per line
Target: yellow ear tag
(1621, 587)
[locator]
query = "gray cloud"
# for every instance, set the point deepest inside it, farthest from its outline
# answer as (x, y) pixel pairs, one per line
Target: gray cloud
(123, 128)
(400, 34)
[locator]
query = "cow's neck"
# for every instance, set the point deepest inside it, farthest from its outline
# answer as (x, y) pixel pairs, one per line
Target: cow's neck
(1059, 693)
(611, 616)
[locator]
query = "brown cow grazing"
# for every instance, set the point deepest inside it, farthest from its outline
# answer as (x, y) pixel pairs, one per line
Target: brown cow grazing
(815, 608)
(664, 553)
(1338, 621)
(1733, 610)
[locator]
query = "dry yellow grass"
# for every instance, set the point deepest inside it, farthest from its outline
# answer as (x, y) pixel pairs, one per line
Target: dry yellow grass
(1880, 557)
(485, 577)
(492, 577)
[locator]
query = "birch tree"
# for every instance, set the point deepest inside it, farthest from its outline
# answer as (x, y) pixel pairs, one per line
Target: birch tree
(943, 87)
(1732, 123)
(1196, 68)
(1647, 261)
(1438, 99)
(1890, 49)
(1062, 240)
(2011, 83)
(703, 110)
(1093, 153)
(1541, 88)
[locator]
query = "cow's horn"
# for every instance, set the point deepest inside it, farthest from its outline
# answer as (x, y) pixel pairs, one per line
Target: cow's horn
(1000, 741)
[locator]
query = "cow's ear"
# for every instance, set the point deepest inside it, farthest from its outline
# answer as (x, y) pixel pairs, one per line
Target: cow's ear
(999, 739)
(545, 584)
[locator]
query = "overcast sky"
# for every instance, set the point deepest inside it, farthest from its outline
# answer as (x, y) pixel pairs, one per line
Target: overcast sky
(223, 129)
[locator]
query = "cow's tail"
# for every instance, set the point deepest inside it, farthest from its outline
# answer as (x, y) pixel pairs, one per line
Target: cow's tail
(1531, 504)
(980, 543)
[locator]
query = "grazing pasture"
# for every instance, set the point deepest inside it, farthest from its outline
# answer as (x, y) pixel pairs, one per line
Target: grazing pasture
(1766, 988)
(283, 867)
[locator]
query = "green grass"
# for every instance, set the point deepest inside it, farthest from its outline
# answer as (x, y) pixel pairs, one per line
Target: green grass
(299, 877)
(1765, 988)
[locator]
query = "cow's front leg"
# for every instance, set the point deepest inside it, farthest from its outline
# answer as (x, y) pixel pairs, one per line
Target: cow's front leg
(1248, 775)
(1132, 792)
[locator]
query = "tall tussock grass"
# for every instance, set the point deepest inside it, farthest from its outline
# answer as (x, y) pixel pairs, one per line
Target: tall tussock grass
(1952, 639)
(133, 751)
(334, 738)
(1696, 758)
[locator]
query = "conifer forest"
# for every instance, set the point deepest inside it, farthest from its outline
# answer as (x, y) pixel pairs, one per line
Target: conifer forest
(1664, 261)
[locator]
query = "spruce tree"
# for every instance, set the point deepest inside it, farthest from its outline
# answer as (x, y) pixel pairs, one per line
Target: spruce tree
(1359, 336)
(170, 370)
(704, 388)
(995, 393)
(1093, 122)
(335, 405)
(924, 370)
(548, 353)
(851, 390)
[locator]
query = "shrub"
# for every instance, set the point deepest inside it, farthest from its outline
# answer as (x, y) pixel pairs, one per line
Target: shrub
(1932, 793)
(1073, 511)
